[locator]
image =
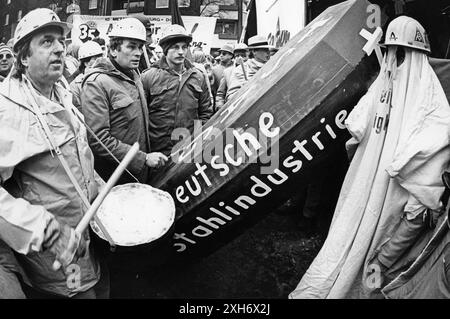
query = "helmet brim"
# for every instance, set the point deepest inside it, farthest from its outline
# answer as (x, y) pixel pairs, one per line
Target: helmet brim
(130, 37)
(231, 52)
(385, 45)
(260, 47)
(176, 36)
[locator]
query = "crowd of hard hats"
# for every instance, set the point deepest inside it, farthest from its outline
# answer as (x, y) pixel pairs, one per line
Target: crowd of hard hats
(109, 92)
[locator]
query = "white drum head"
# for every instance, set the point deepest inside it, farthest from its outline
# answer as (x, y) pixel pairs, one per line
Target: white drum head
(135, 214)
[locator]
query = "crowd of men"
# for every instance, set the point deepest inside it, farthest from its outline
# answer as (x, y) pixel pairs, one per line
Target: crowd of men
(69, 115)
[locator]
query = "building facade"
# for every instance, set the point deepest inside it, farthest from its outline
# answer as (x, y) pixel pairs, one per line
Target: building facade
(13, 10)
(434, 15)
(227, 12)
(11, 13)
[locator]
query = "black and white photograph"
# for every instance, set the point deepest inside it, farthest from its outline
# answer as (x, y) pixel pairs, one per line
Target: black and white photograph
(230, 156)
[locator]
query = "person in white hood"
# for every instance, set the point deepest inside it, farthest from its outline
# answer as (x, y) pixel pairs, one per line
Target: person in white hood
(400, 130)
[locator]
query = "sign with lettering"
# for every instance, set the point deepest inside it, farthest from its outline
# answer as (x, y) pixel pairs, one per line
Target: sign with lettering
(86, 28)
(255, 152)
(280, 20)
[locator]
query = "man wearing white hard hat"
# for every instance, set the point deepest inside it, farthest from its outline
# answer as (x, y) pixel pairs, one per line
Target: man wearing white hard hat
(6, 60)
(392, 191)
(176, 91)
(114, 105)
(241, 51)
(226, 58)
(241, 56)
(147, 58)
(71, 63)
(46, 167)
(88, 54)
(259, 50)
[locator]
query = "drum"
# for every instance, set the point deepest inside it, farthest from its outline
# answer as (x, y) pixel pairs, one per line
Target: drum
(139, 219)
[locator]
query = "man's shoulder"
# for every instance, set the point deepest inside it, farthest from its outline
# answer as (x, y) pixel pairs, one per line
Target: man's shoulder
(79, 78)
(10, 92)
(153, 74)
(229, 70)
(151, 70)
(197, 74)
(5, 103)
(96, 76)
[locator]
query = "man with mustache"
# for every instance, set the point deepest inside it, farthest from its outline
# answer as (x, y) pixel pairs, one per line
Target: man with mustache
(176, 91)
(115, 108)
(259, 49)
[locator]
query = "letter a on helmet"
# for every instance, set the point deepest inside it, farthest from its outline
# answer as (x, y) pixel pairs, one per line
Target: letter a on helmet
(419, 37)
(34, 21)
(407, 32)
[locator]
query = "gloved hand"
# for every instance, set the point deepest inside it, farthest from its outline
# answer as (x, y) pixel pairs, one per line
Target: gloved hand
(67, 247)
(51, 233)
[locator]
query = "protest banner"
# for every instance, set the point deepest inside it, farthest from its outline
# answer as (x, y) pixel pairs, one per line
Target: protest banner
(87, 27)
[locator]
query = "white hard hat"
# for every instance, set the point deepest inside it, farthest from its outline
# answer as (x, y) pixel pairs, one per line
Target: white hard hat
(258, 42)
(36, 20)
(174, 31)
(407, 32)
(228, 47)
(130, 28)
(89, 49)
(240, 47)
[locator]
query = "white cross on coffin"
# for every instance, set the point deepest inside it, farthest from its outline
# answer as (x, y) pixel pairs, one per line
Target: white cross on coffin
(372, 44)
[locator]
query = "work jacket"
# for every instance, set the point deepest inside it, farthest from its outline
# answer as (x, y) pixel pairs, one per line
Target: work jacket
(221, 96)
(174, 102)
(75, 89)
(237, 79)
(115, 109)
(35, 188)
(218, 71)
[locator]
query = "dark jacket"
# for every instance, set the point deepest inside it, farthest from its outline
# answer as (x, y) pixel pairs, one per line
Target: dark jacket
(115, 108)
(174, 102)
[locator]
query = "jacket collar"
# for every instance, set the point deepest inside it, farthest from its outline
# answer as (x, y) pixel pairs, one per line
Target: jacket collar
(12, 89)
(255, 64)
(104, 65)
(230, 63)
(162, 64)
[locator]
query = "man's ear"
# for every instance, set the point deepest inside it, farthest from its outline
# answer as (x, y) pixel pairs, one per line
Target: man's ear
(113, 53)
(24, 60)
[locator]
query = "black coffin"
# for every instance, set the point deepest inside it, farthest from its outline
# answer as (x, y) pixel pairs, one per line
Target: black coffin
(290, 116)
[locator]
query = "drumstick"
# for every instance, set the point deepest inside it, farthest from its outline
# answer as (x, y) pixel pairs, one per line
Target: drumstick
(84, 222)
(82, 225)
